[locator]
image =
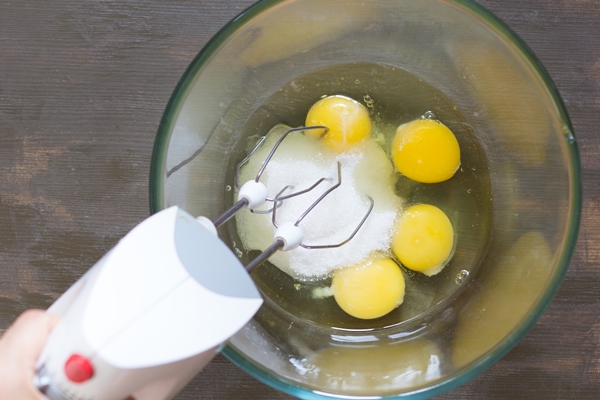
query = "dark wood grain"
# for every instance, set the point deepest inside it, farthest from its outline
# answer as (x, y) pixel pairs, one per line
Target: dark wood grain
(83, 85)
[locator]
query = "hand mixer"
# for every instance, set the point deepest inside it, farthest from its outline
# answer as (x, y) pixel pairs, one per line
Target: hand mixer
(154, 310)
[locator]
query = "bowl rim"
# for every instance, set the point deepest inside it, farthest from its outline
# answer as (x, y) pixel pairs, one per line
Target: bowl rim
(495, 24)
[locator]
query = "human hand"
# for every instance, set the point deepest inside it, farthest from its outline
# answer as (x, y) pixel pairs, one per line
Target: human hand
(20, 347)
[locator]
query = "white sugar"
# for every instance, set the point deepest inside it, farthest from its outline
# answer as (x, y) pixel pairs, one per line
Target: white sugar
(301, 161)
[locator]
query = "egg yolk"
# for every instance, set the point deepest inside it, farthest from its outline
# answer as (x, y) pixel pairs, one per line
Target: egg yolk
(348, 122)
(426, 151)
(369, 290)
(423, 239)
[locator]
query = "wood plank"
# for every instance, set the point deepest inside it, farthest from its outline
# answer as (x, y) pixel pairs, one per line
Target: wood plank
(83, 85)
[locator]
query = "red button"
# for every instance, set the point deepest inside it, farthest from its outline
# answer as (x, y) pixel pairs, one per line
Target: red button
(78, 368)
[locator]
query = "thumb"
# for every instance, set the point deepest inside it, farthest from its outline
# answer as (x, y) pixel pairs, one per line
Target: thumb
(28, 334)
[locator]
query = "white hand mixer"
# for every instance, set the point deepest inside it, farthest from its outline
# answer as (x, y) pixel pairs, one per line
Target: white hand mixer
(147, 317)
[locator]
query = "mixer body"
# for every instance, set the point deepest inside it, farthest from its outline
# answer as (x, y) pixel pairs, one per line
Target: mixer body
(148, 316)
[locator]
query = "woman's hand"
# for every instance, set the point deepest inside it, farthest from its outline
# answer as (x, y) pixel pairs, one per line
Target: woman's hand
(20, 347)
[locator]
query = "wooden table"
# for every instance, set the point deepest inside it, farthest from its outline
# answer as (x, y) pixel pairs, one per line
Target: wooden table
(83, 85)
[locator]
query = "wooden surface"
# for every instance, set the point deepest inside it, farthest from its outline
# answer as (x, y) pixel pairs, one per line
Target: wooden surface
(83, 85)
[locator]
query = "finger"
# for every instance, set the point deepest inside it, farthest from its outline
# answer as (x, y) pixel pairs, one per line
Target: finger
(28, 334)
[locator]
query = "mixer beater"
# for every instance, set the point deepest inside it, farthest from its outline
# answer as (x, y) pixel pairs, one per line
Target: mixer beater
(253, 194)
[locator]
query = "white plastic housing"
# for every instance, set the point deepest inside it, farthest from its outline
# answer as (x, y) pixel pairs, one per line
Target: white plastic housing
(151, 313)
(254, 192)
(290, 234)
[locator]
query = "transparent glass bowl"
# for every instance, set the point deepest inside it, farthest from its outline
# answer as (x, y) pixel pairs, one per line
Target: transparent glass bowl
(529, 161)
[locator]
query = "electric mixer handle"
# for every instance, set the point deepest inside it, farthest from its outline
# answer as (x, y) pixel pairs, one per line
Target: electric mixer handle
(148, 316)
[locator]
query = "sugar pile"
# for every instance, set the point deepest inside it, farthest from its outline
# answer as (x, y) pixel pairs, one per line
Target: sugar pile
(301, 161)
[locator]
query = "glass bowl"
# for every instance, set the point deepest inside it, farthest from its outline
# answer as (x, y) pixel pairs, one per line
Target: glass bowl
(517, 224)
